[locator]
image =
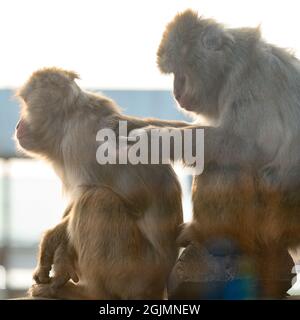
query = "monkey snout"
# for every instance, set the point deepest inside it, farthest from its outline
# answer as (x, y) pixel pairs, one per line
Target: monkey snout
(177, 96)
(21, 129)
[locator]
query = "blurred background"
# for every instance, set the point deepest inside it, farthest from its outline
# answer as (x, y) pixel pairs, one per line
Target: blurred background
(112, 45)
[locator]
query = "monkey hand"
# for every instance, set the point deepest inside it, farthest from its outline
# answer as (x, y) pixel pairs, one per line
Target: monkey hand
(41, 274)
(64, 266)
(63, 269)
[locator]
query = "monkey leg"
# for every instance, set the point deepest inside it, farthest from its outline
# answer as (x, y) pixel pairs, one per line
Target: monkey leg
(274, 271)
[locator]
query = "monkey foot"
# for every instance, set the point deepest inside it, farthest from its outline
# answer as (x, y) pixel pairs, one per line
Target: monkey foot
(215, 271)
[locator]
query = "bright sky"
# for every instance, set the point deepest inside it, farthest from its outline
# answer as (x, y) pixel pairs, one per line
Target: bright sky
(113, 43)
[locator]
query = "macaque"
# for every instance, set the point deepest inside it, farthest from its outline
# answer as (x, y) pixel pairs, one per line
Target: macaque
(117, 239)
(249, 92)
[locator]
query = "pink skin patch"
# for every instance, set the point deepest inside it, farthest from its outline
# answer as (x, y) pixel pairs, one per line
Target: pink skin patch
(185, 103)
(21, 129)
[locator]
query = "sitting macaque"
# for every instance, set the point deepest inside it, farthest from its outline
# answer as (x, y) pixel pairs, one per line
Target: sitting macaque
(248, 90)
(56, 249)
(117, 239)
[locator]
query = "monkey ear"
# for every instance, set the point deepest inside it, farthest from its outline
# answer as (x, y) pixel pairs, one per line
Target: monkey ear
(214, 38)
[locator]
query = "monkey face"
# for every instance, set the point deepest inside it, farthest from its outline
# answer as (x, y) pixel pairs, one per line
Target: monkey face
(179, 90)
(26, 132)
(197, 52)
(24, 135)
(183, 92)
(195, 95)
(34, 136)
(48, 98)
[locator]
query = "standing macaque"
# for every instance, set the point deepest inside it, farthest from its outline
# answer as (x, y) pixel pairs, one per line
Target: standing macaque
(117, 239)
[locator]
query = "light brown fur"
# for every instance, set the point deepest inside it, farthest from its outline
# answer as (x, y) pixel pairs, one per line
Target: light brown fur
(249, 91)
(118, 234)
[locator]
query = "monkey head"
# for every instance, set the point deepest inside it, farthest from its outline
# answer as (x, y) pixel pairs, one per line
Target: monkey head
(47, 98)
(196, 51)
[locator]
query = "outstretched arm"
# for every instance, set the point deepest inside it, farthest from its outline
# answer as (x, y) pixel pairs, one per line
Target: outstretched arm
(136, 123)
(220, 145)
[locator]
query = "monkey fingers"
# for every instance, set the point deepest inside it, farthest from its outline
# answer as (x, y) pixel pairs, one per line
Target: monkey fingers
(62, 274)
(41, 274)
(48, 247)
(64, 266)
